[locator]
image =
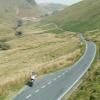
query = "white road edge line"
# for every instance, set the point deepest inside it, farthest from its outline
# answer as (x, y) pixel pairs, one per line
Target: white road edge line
(22, 90)
(81, 75)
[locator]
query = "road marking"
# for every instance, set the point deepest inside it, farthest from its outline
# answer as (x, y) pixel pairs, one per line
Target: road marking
(63, 73)
(67, 71)
(59, 76)
(55, 79)
(37, 91)
(28, 96)
(76, 80)
(49, 83)
(43, 86)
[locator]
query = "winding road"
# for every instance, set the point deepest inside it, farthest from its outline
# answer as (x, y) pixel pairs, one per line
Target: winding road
(55, 85)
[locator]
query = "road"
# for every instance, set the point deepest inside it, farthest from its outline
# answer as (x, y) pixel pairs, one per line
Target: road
(55, 85)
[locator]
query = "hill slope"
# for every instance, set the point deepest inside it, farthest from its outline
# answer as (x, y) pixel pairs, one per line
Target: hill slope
(83, 16)
(10, 10)
(51, 7)
(18, 7)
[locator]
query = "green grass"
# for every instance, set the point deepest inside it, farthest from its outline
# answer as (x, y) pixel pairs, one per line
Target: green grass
(90, 88)
(83, 17)
(80, 17)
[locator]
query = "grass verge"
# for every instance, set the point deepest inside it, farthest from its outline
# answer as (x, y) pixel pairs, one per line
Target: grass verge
(90, 88)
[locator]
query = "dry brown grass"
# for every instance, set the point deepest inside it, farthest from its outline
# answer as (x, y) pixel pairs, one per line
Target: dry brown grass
(42, 53)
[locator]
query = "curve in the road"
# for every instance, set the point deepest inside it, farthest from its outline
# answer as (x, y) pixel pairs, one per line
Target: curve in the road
(54, 86)
(81, 74)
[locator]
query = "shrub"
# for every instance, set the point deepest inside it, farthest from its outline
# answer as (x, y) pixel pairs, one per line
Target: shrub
(92, 97)
(18, 33)
(4, 46)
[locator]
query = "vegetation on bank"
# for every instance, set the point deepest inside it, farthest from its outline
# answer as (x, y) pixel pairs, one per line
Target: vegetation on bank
(90, 87)
(4, 46)
(81, 17)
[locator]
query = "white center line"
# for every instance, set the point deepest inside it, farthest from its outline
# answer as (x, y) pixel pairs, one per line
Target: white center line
(63, 73)
(66, 71)
(37, 91)
(43, 86)
(55, 79)
(59, 76)
(28, 96)
(49, 83)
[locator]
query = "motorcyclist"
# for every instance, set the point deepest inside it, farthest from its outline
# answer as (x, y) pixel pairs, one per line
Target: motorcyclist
(32, 79)
(33, 76)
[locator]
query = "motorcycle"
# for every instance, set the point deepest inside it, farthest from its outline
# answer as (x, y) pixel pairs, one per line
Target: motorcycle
(31, 83)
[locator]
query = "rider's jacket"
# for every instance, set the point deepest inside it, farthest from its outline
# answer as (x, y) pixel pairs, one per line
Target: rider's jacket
(33, 77)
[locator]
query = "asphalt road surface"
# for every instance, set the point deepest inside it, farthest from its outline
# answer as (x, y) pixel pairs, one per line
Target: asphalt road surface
(55, 85)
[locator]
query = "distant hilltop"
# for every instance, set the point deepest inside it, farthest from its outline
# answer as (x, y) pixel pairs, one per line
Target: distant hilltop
(21, 8)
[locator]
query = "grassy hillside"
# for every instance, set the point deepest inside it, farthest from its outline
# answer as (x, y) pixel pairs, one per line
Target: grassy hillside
(84, 17)
(11, 8)
(34, 51)
(39, 49)
(81, 17)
